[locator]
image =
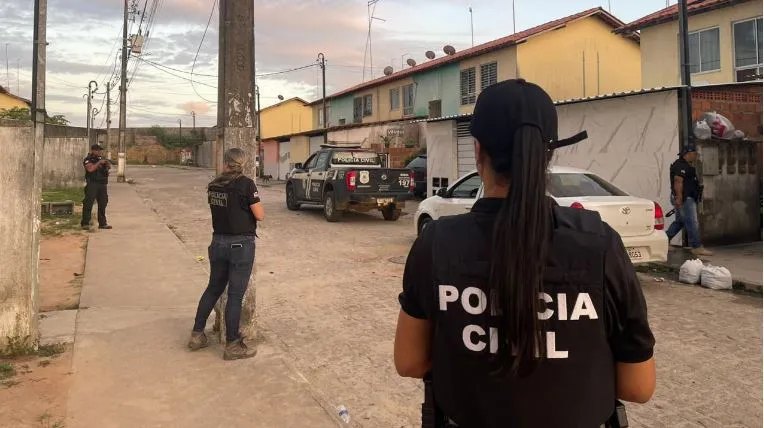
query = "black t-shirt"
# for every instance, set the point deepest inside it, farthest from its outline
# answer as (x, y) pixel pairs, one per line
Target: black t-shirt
(100, 175)
(230, 207)
(690, 184)
(595, 325)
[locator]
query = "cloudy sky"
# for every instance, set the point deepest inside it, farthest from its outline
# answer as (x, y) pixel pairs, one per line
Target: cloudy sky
(84, 42)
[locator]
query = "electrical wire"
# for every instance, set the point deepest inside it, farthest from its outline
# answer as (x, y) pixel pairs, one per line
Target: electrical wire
(201, 42)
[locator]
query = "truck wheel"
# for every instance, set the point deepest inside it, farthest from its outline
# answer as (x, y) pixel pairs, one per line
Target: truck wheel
(331, 212)
(423, 223)
(291, 199)
(391, 213)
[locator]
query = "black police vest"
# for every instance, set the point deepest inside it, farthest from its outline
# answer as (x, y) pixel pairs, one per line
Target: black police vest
(230, 213)
(100, 175)
(574, 386)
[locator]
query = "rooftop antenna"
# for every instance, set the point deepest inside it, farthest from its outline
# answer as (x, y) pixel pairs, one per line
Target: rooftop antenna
(411, 62)
(388, 70)
(370, 10)
(430, 54)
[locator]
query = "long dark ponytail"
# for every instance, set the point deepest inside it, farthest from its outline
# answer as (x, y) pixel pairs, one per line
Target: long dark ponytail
(520, 243)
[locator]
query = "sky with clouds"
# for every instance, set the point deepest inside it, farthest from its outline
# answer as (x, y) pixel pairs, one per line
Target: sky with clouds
(84, 36)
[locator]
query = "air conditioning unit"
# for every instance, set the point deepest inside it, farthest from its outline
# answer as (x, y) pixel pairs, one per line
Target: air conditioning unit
(435, 109)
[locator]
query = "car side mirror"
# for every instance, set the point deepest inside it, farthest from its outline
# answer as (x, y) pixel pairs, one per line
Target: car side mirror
(298, 165)
(442, 192)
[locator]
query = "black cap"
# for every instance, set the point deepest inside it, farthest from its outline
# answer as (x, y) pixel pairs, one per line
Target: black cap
(96, 147)
(688, 149)
(504, 108)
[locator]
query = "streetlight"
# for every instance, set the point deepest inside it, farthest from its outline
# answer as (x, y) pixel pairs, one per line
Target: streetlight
(322, 63)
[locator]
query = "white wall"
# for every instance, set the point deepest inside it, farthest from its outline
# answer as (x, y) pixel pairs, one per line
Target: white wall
(62, 162)
(441, 152)
(284, 160)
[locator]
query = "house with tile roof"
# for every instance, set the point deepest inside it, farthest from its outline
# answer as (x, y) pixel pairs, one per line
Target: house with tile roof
(725, 42)
(572, 57)
(9, 100)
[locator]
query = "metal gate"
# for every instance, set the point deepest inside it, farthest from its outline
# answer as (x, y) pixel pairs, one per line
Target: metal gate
(465, 149)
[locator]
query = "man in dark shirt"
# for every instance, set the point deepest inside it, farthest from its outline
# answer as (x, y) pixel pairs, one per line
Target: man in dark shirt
(97, 178)
(685, 194)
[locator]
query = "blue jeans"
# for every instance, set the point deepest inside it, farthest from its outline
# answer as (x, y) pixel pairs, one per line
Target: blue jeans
(687, 218)
(231, 260)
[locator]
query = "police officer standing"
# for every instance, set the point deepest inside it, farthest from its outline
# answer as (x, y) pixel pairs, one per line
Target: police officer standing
(524, 313)
(97, 179)
(685, 195)
(235, 206)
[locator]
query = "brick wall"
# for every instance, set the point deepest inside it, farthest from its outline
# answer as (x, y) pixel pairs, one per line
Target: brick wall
(740, 103)
(147, 150)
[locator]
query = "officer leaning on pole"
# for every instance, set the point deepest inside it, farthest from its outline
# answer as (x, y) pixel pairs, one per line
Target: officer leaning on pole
(522, 313)
(97, 179)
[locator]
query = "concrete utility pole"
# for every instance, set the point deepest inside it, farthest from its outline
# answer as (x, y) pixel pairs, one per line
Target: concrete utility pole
(236, 116)
(684, 60)
(7, 73)
(108, 120)
(122, 103)
(193, 119)
(90, 115)
(322, 60)
(472, 28)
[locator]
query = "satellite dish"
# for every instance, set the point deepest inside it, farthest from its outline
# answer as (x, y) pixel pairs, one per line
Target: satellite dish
(430, 54)
(449, 50)
(281, 97)
(411, 62)
(388, 70)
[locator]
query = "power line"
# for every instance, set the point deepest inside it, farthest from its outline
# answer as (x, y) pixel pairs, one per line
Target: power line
(175, 75)
(193, 66)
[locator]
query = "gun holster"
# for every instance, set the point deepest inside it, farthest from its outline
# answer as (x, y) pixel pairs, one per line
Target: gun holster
(618, 419)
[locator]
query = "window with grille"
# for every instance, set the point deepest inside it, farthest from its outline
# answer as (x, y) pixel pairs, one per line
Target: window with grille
(357, 109)
(367, 107)
(408, 100)
(395, 99)
(748, 50)
(488, 75)
(704, 51)
(468, 86)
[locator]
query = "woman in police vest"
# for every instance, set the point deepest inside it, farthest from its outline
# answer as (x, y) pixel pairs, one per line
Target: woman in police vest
(235, 205)
(525, 314)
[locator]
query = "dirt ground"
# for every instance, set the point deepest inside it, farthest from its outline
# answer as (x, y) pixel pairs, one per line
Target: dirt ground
(62, 263)
(33, 389)
(327, 293)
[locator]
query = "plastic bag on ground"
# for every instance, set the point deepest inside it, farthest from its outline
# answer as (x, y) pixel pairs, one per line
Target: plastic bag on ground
(716, 278)
(689, 273)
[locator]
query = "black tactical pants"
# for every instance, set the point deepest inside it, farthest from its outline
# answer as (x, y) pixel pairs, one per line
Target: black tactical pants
(94, 192)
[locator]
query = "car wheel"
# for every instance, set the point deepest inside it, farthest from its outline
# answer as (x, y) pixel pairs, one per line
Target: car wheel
(391, 213)
(291, 199)
(423, 223)
(331, 212)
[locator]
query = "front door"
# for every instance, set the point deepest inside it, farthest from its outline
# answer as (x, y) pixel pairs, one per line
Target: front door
(318, 176)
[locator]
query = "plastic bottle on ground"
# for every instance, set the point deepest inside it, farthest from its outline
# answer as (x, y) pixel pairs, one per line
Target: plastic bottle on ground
(344, 415)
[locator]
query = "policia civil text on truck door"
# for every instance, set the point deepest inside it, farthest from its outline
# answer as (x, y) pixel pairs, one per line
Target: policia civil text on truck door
(523, 313)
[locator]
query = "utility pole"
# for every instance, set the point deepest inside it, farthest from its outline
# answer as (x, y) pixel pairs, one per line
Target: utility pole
(322, 63)
(514, 26)
(91, 90)
(122, 103)
(686, 82)
(92, 118)
(108, 120)
(193, 119)
(180, 130)
(472, 28)
(18, 76)
(7, 73)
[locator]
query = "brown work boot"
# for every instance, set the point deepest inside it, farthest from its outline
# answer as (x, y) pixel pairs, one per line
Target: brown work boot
(702, 251)
(238, 350)
(197, 341)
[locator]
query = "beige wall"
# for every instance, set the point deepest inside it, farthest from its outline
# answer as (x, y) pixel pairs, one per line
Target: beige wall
(8, 102)
(381, 101)
(506, 60)
(660, 50)
(289, 117)
(583, 59)
(299, 148)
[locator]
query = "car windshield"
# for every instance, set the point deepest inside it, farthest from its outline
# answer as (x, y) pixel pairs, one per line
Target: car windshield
(418, 162)
(568, 185)
(355, 158)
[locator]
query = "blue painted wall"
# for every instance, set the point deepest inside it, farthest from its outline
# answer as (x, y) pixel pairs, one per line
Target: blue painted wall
(442, 84)
(342, 108)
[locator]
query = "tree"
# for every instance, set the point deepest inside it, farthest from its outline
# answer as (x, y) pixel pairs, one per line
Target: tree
(19, 113)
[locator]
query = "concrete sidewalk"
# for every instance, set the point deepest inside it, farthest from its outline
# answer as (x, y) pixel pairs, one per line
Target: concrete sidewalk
(744, 262)
(131, 367)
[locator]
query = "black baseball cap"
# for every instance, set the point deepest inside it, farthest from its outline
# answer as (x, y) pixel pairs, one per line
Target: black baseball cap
(505, 107)
(96, 147)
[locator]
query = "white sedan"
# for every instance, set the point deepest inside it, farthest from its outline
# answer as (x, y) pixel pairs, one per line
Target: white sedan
(639, 221)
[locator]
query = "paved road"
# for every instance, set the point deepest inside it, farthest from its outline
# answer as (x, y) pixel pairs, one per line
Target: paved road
(327, 293)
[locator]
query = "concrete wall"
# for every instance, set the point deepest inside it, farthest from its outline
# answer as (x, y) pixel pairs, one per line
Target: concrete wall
(660, 46)
(441, 84)
(62, 162)
(731, 208)
(204, 154)
(19, 233)
(585, 58)
(441, 153)
(271, 158)
(403, 133)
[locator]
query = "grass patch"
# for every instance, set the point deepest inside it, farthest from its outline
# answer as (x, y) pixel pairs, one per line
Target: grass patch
(59, 225)
(7, 371)
(46, 421)
(9, 383)
(74, 194)
(51, 350)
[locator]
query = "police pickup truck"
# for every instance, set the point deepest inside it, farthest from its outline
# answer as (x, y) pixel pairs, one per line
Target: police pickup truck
(348, 178)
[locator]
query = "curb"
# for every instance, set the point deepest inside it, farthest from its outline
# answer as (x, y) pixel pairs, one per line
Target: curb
(737, 284)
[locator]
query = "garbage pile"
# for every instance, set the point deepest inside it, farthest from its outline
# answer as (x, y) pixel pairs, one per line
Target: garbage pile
(709, 276)
(712, 124)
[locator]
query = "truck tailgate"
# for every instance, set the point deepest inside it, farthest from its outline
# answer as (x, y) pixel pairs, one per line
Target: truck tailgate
(383, 180)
